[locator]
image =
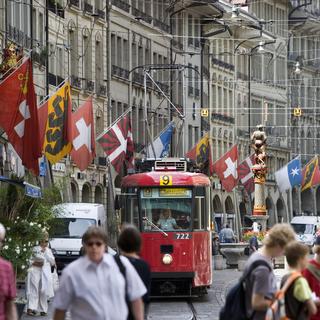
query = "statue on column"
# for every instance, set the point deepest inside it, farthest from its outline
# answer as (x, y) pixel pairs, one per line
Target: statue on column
(259, 169)
(259, 143)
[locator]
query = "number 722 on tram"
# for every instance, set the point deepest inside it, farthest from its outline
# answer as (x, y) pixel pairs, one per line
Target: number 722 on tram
(172, 211)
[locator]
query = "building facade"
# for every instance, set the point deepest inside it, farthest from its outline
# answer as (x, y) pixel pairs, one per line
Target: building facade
(303, 75)
(238, 61)
(68, 42)
(248, 87)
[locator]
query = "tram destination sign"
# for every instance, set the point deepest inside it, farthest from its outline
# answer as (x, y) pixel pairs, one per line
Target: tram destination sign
(156, 193)
(174, 192)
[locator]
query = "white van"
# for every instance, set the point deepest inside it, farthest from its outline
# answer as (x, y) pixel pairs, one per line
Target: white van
(305, 228)
(71, 222)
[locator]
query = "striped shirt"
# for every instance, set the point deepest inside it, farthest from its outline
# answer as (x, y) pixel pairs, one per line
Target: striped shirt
(7, 286)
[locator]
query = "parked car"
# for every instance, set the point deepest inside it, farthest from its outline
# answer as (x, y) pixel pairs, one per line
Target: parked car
(71, 222)
(305, 228)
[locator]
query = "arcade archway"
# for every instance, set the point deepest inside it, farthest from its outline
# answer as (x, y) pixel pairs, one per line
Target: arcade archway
(307, 202)
(218, 213)
(217, 207)
(86, 193)
(295, 202)
(270, 212)
(229, 206)
(98, 194)
(281, 211)
(74, 191)
(230, 213)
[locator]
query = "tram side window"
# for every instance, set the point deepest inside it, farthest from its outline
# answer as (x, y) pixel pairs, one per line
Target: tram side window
(199, 218)
(132, 210)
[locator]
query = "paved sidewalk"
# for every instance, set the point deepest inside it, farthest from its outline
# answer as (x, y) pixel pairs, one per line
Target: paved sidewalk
(209, 306)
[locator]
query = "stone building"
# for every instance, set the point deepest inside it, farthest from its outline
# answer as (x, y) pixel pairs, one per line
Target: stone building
(304, 94)
(243, 96)
(104, 47)
(72, 46)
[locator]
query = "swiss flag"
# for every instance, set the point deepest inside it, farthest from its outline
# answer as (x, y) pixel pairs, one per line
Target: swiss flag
(19, 117)
(246, 175)
(83, 135)
(117, 143)
(226, 169)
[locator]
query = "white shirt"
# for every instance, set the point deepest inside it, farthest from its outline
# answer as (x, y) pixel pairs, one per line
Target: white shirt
(97, 291)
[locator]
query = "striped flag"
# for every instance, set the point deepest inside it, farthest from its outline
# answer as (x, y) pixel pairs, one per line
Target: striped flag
(246, 175)
(117, 143)
(310, 174)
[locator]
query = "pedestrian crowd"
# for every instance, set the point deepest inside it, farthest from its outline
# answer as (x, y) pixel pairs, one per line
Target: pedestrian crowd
(100, 285)
(258, 296)
(96, 286)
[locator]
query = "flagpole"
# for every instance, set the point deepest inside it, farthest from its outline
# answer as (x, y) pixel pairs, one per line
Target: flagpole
(163, 130)
(112, 221)
(113, 123)
(177, 110)
(145, 73)
(179, 137)
(55, 90)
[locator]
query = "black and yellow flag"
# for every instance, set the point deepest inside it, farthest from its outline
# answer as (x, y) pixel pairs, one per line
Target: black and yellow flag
(310, 174)
(201, 152)
(57, 139)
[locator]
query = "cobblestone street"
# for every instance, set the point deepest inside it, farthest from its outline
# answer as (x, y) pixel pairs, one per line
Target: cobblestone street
(206, 307)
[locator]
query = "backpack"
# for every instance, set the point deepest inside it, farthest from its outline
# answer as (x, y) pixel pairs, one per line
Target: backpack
(277, 309)
(122, 269)
(235, 305)
(246, 251)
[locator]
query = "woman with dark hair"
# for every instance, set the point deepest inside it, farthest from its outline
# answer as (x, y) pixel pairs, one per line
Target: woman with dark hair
(129, 243)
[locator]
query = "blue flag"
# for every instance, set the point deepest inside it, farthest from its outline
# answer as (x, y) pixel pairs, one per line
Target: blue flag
(162, 143)
(290, 175)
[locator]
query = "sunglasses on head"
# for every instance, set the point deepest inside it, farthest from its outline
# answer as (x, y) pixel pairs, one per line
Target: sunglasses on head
(94, 243)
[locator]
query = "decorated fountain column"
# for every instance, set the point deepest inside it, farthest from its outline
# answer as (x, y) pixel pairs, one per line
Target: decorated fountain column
(259, 169)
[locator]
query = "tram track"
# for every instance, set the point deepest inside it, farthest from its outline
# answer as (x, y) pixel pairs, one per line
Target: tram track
(172, 310)
(193, 310)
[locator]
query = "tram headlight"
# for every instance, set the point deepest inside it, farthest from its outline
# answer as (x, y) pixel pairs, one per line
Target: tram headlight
(167, 258)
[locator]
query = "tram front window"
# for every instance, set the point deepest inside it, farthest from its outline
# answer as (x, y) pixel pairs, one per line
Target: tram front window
(167, 208)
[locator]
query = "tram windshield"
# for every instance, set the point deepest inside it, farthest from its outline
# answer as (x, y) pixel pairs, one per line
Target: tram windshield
(167, 208)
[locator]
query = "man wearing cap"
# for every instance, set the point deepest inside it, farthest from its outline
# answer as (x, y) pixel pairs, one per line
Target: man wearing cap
(8, 292)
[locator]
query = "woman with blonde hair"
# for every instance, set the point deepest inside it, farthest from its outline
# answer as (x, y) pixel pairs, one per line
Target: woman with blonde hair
(312, 274)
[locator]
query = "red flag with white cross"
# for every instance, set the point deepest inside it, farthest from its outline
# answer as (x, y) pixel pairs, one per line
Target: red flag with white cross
(117, 143)
(246, 175)
(83, 141)
(18, 115)
(226, 169)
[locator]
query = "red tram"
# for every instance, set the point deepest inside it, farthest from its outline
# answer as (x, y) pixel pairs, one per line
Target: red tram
(171, 207)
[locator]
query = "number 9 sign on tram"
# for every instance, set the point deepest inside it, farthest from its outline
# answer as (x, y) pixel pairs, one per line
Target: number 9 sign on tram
(166, 180)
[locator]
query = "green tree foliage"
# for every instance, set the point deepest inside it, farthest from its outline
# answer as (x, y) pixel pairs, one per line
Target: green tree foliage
(26, 220)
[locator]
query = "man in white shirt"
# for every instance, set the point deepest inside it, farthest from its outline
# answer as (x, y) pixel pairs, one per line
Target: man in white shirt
(226, 235)
(93, 287)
